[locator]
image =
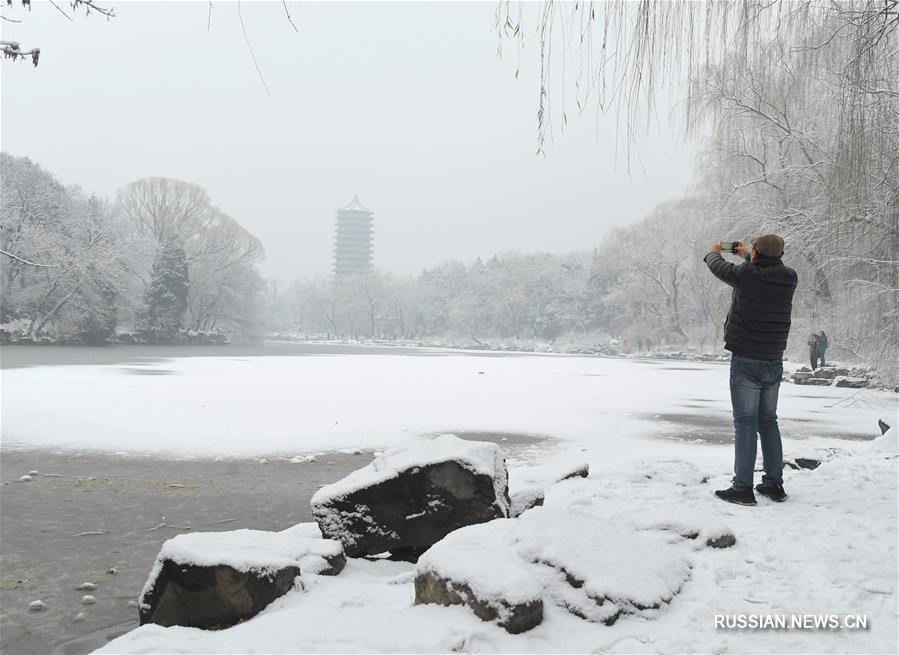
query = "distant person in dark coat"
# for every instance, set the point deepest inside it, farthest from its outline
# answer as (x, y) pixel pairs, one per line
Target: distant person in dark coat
(822, 346)
(814, 350)
(756, 332)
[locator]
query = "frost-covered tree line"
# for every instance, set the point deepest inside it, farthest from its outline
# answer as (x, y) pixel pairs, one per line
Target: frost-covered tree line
(160, 262)
(797, 108)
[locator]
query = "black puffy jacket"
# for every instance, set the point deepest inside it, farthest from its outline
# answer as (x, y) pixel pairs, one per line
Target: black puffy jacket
(758, 323)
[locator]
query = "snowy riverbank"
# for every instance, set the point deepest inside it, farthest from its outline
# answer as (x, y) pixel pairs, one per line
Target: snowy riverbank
(829, 551)
(651, 431)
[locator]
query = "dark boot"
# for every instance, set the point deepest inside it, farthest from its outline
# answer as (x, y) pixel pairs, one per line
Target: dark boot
(773, 491)
(737, 496)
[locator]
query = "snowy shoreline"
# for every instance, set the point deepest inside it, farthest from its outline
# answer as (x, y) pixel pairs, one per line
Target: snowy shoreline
(650, 430)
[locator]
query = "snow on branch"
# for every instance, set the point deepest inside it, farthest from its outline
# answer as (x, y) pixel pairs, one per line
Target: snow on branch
(13, 49)
(25, 261)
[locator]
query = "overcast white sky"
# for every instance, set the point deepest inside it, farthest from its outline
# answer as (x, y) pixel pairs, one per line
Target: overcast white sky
(404, 104)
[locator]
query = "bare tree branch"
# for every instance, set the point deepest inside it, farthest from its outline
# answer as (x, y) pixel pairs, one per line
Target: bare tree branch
(250, 47)
(289, 19)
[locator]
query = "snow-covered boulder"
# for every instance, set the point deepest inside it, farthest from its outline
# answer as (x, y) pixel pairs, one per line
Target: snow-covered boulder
(412, 496)
(596, 569)
(217, 579)
(478, 566)
(850, 383)
(529, 484)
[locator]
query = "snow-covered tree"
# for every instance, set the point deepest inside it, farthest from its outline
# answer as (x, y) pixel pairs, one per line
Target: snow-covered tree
(165, 300)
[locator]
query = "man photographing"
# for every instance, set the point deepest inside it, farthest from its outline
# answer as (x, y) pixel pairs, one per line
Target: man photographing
(755, 333)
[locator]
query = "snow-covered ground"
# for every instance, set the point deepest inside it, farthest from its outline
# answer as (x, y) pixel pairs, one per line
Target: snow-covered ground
(830, 549)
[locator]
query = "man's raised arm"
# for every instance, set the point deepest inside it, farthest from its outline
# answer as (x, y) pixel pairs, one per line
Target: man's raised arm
(724, 271)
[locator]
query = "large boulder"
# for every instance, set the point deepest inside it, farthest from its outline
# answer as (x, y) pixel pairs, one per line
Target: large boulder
(595, 569)
(214, 580)
(478, 567)
(411, 497)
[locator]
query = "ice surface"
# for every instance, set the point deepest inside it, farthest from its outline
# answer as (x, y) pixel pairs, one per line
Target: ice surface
(289, 405)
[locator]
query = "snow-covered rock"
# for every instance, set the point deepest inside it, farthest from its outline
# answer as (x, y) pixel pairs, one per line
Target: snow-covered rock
(528, 485)
(809, 463)
(478, 566)
(525, 499)
(37, 606)
(886, 443)
(610, 562)
(412, 496)
(217, 579)
(850, 383)
(596, 569)
(830, 372)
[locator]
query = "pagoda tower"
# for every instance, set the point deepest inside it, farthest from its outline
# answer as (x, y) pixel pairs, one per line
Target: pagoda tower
(353, 239)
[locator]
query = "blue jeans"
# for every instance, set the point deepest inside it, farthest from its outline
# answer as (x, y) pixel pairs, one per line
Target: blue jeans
(754, 385)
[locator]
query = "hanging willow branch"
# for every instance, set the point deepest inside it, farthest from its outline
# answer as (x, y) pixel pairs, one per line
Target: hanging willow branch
(628, 53)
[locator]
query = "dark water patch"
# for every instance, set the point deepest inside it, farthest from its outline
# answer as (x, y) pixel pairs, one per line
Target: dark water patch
(48, 546)
(681, 368)
(718, 429)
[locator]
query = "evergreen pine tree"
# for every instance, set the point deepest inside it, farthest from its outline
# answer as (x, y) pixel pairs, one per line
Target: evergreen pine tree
(165, 300)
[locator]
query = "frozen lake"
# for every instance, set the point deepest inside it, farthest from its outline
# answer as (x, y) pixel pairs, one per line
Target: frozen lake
(289, 399)
(208, 435)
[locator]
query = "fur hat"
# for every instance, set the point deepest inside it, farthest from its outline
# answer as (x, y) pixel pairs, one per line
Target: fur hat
(769, 245)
